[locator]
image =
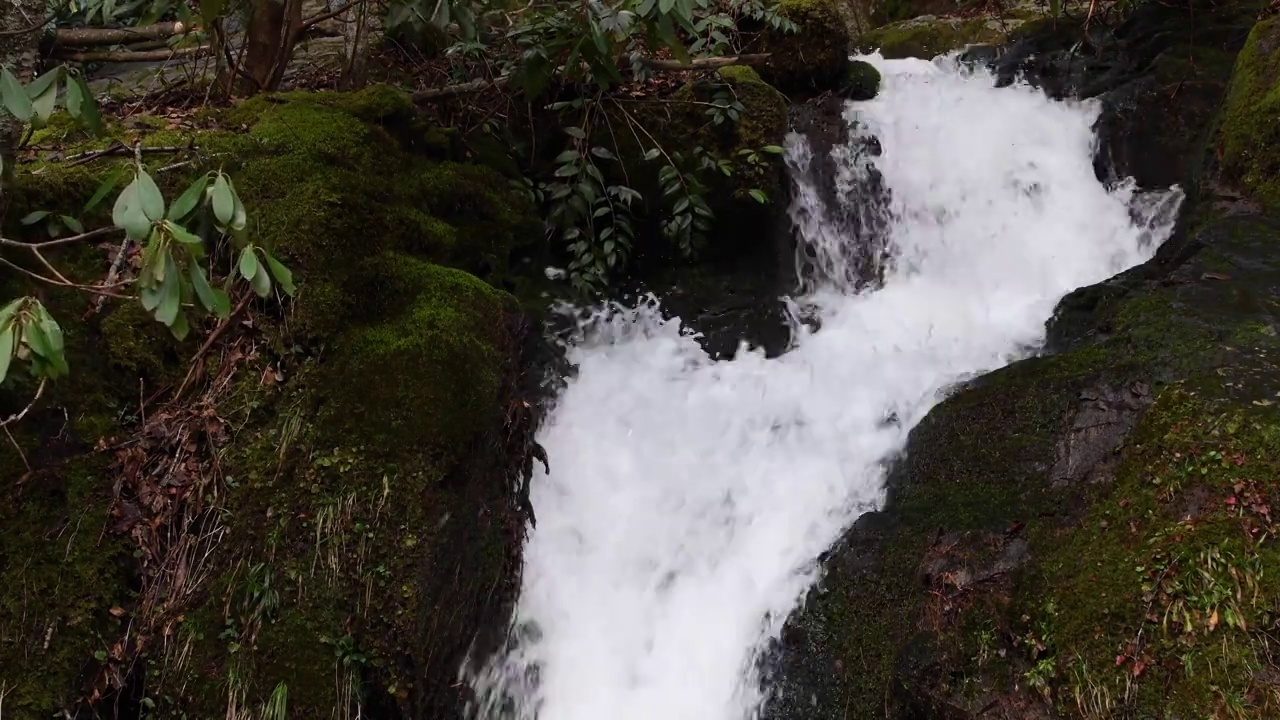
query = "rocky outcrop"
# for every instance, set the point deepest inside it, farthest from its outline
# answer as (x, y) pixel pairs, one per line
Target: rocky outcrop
(1087, 533)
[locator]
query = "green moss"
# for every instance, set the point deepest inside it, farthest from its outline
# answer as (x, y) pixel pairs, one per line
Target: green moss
(812, 58)
(428, 374)
(1249, 134)
(861, 82)
(60, 574)
(927, 37)
(1178, 565)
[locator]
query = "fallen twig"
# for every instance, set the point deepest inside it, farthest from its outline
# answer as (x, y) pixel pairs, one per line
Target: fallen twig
(59, 241)
(208, 343)
(118, 148)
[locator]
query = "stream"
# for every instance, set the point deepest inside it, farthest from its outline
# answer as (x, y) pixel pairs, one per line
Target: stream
(689, 500)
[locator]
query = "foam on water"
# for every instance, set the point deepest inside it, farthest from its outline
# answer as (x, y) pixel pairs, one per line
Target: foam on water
(688, 499)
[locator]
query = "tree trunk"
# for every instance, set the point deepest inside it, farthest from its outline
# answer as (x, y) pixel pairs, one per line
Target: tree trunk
(21, 24)
(274, 26)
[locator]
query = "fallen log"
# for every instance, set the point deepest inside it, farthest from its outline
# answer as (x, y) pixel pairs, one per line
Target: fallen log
(91, 36)
(656, 64)
(128, 56)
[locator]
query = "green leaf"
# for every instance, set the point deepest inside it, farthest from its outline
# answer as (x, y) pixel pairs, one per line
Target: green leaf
(224, 203)
(89, 108)
(239, 218)
(183, 236)
(150, 197)
(189, 199)
(759, 195)
(575, 132)
(281, 273)
(171, 294)
(128, 213)
(772, 149)
(35, 217)
(180, 328)
(45, 100)
(7, 340)
(75, 225)
(204, 292)
(567, 156)
(14, 96)
(652, 154)
(74, 98)
(603, 153)
(40, 85)
(151, 297)
(248, 263)
(108, 184)
(261, 282)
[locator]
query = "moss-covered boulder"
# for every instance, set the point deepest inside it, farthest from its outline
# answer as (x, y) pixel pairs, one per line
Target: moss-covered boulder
(813, 58)
(346, 464)
(929, 36)
(861, 81)
(1249, 144)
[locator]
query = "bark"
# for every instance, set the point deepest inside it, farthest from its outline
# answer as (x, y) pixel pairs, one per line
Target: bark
(274, 29)
(19, 53)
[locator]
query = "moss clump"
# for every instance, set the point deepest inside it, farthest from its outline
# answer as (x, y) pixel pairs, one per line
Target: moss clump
(431, 366)
(927, 37)
(815, 55)
(1249, 134)
(861, 81)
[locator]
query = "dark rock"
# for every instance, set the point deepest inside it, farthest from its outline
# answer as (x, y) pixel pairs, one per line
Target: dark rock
(1100, 424)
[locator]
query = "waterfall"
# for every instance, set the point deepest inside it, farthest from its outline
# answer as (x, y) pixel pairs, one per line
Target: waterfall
(688, 500)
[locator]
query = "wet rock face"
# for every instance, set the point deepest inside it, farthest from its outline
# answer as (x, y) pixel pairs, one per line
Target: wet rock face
(1087, 450)
(1159, 75)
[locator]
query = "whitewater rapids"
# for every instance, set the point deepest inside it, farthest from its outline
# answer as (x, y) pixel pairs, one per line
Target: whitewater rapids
(688, 499)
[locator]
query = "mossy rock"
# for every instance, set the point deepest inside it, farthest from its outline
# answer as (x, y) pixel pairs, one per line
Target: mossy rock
(861, 81)
(928, 36)
(814, 57)
(1249, 134)
(378, 461)
(1029, 557)
(374, 498)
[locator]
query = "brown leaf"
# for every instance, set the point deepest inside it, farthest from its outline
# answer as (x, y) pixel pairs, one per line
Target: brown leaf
(117, 611)
(1213, 621)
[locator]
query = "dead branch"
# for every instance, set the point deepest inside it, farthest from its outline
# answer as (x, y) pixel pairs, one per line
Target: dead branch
(208, 343)
(23, 412)
(90, 36)
(701, 64)
(59, 241)
(126, 56)
(466, 88)
(658, 65)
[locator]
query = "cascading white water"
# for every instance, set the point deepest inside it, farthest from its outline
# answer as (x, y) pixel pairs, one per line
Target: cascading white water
(688, 499)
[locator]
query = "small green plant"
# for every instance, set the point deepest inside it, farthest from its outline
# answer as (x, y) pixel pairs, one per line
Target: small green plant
(277, 707)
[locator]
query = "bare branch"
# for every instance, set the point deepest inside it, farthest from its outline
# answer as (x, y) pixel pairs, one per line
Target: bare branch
(23, 412)
(59, 241)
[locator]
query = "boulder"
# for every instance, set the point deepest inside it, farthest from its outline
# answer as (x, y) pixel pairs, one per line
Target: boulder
(1249, 138)
(815, 56)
